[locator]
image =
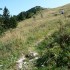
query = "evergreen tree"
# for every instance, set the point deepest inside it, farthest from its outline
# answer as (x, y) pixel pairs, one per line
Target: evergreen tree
(6, 18)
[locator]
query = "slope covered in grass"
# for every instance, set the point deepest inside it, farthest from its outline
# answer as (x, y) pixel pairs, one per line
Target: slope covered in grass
(28, 34)
(55, 51)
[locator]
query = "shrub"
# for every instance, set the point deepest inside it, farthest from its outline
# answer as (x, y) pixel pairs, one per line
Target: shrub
(13, 22)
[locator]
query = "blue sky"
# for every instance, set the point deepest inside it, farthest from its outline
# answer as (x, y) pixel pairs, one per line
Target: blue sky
(16, 6)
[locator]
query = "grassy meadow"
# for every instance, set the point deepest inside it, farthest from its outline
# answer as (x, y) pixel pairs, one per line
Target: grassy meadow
(29, 35)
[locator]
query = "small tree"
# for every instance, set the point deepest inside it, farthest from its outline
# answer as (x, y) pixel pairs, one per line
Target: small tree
(13, 22)
(6, 17)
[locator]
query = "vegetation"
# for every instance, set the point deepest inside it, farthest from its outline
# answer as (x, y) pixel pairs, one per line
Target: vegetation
(21, 16)
(55, 51)
(28, 14)
(48, 36)
(13, 22)
(7, 22)
(6, 18)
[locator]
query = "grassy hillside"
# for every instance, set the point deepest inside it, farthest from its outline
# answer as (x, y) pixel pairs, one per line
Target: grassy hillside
(55, 50)
(29, 33)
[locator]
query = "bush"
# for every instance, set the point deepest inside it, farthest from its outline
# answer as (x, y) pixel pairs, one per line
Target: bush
(21, 16)
(13, 22)
(52, 58)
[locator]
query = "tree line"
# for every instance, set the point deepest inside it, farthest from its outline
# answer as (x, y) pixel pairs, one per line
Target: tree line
(7, 21)
(28, 14)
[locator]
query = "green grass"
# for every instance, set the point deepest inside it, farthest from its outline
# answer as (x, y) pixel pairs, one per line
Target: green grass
(55, 56)
(30, 35)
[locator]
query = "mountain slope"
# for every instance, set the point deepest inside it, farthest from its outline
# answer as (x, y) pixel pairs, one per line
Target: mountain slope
(28, 34)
